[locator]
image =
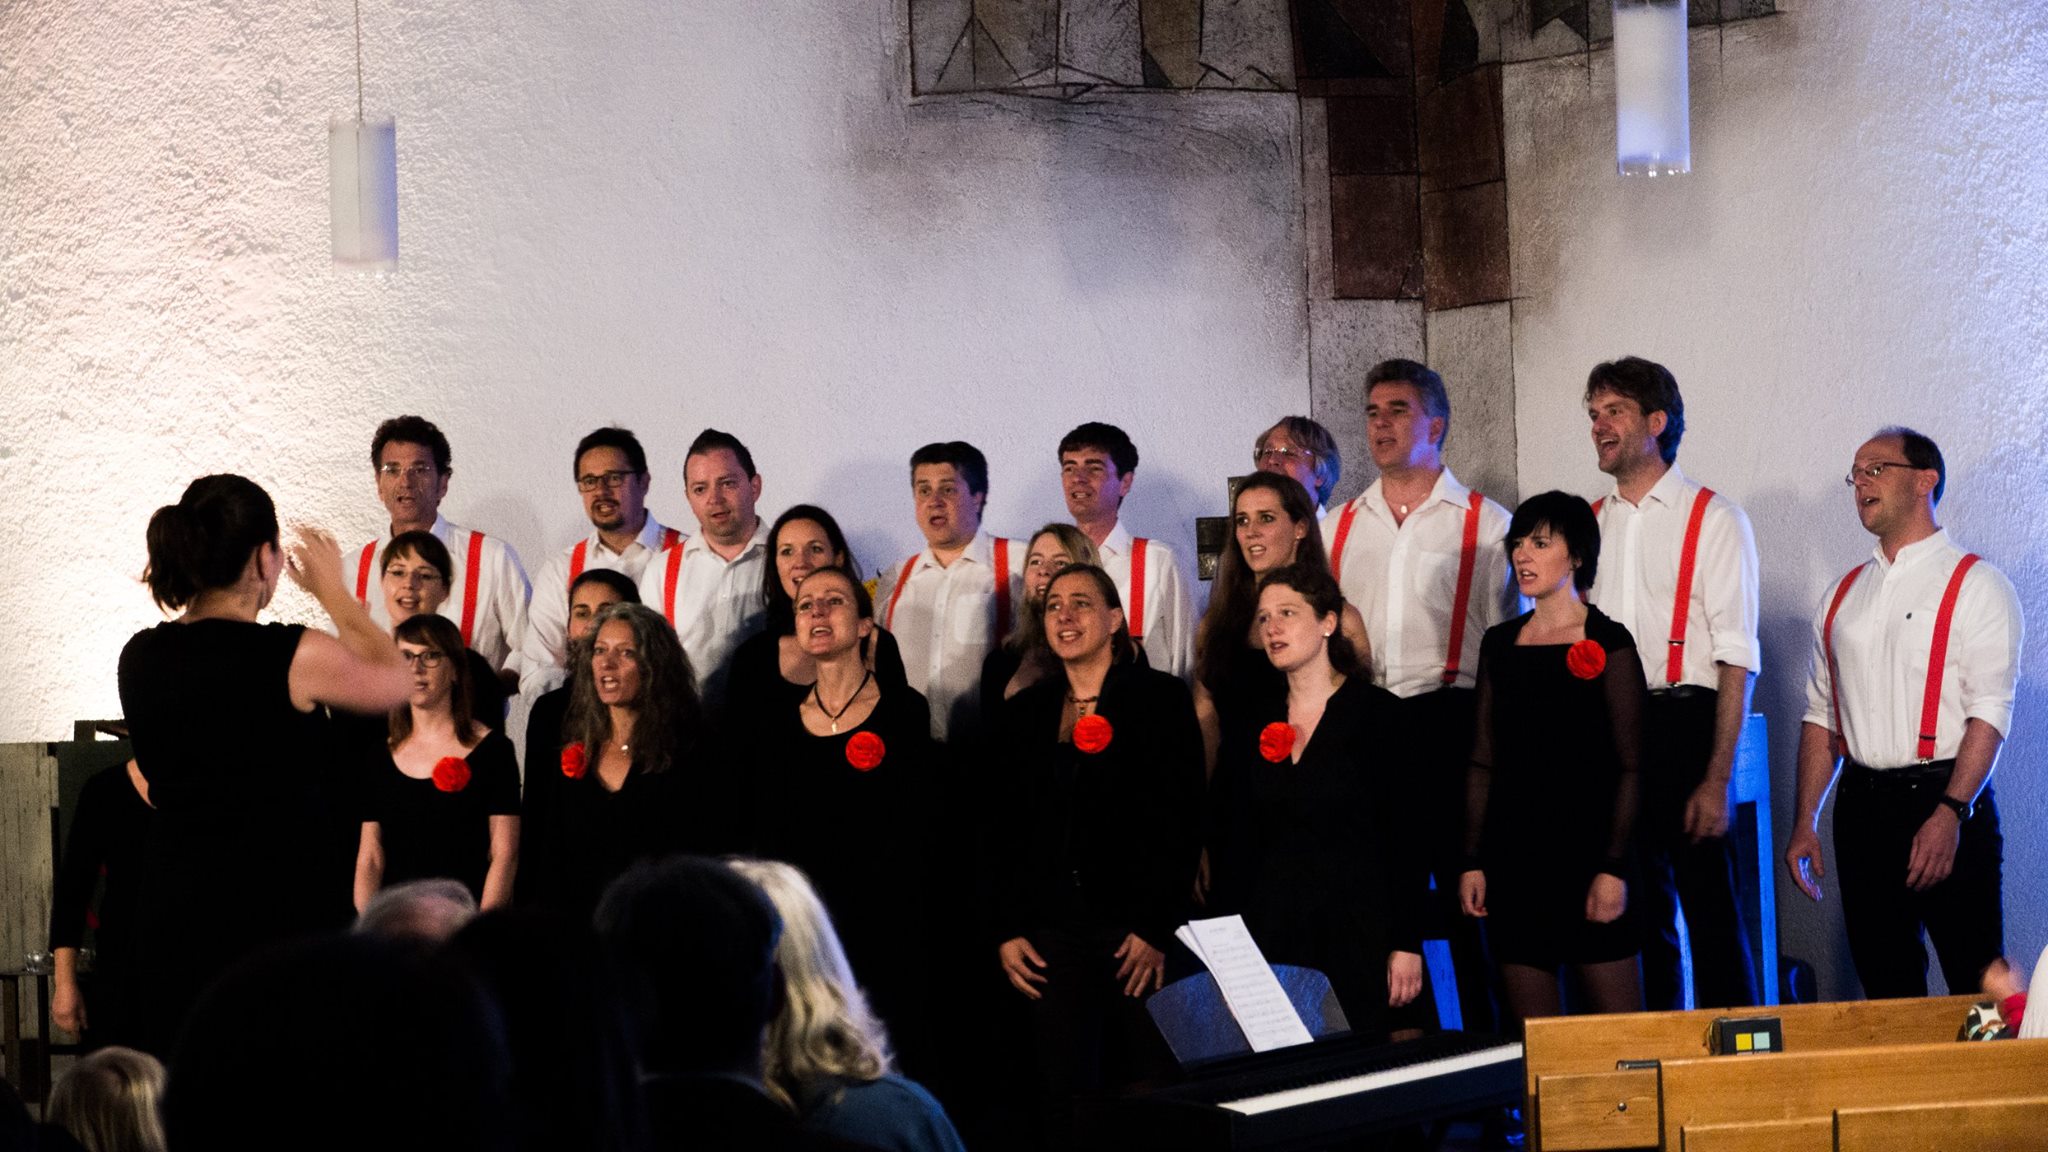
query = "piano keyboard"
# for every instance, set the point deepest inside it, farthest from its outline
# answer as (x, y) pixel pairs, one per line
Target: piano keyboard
(1372, 1081)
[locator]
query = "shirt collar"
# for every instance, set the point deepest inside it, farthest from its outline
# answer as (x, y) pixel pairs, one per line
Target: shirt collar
(649, 537)
(1118, 542)
(1915, 552)
(702, 543)
(980, 550)
(1446, 489)
(1669, 490)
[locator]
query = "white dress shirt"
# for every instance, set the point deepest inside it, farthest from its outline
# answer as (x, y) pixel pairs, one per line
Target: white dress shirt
(547, 616)
(1883, 635)
(502, 591)
(1169, 624)
(718, 602)
(945, 623)
(1637, 582)
(1403, 577)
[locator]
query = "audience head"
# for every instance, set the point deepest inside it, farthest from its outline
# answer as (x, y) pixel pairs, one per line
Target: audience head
(1084, 615)
(591, 592)
(722, 486)
(1636, 411)
(1562, 538)
(1299, 447)
(1909, 481)
(949, 485)
(416, 572)
(692, 946)
(635, 663)
(221, 532)
(342, 1043)
(833, 613)
(412, 462)
(110, 1101)
(1407, 415)
(432, 645)
(574, 1084)
(610, 470)
(823, 1029)
(422, 911)
(803, 539)
(1097, 464)
(1301, 612)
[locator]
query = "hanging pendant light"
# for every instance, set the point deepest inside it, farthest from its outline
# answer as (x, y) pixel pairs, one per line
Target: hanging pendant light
(1652, 115)
(362, 182)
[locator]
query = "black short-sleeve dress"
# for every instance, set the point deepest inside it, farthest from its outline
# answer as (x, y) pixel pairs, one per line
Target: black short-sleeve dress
(429, 829)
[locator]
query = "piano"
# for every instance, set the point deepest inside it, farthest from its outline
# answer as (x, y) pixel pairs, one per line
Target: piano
(1312, 1095)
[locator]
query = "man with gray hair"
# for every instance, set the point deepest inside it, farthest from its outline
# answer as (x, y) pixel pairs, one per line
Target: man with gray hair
(1299, 447)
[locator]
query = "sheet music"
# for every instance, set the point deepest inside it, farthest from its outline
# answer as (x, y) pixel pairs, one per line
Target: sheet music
(1250, 990)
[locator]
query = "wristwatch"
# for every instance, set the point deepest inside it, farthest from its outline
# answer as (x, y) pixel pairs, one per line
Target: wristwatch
(1962, 808)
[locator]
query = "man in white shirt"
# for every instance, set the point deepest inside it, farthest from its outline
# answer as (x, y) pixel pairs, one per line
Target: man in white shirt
(1299, 447)
(709, 585)
(610, 469)
(952, 603)
(1098, 464)
(488, 590)
(1420, 556)
(1916, 656)
(1678, 569)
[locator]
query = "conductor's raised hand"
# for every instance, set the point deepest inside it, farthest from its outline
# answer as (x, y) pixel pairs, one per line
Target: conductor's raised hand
(1023, 965)
(314, 561)
(1142, 965)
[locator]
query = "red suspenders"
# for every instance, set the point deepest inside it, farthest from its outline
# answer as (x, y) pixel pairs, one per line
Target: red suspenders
(363, 567)
(1937, 657)
(1136, 618)
(581, 552)
(469, 584)
(1344, 519)
(1681, 607)
(669, 580)
(1468, 555)
(1002, 567)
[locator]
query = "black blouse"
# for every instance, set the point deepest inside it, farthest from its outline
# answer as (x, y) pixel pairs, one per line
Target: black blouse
(427, 832)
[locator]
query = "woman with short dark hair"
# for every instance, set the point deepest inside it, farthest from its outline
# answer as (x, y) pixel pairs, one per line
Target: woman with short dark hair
(223, 713)
(1554, 779)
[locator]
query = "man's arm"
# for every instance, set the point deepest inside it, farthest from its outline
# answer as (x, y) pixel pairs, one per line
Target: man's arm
(1817, 769)
(1934, 845)
(1707, 811)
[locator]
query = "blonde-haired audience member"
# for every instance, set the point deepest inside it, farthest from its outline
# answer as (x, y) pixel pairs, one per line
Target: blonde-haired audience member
(827, 1054)
(108, 1102)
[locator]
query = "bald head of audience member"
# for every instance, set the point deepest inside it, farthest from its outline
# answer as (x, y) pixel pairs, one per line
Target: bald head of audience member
(692, 944)
(422, 911)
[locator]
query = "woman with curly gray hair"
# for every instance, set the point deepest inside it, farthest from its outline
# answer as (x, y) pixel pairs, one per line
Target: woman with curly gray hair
(827, 1055)
(631, 758)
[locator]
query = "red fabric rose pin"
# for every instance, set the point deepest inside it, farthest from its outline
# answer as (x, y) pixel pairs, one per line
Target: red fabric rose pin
(1276, 741)
(1586, 659)
(451, 774)
(1092, 733)
(574, 762)
(865, 751)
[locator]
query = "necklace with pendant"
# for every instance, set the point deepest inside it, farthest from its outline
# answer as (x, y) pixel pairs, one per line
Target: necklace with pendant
(834, 716)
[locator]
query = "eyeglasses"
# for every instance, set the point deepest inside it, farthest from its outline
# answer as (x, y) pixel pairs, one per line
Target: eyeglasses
(596, 480)
(394, 470)
(1875, 470)
(427, 659)
(1283, 454)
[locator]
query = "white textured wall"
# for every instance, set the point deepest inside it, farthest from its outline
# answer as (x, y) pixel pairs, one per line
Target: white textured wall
(667, 215)
(1863, 240)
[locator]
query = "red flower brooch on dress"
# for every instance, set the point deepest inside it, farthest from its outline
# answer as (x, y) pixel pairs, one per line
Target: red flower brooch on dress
(1586, 659)
(1092, 733)
(451, 774)
(865, 751)
(1276, 741)
(574, 762)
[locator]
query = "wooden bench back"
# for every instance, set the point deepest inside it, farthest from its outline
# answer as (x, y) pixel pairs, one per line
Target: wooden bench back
(2012, 1125)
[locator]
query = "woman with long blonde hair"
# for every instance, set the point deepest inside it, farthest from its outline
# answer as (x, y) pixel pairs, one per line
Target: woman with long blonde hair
(827, 1055)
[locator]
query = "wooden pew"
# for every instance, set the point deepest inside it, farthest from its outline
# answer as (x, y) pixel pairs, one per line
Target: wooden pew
(1577, 1099)
(2015, 1125)
(1808, 1085)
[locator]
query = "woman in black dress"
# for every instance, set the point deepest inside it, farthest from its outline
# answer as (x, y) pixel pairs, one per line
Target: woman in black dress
(1094, 838)
(539, 805)
(842, 792)
(631, 761)
(1308, 840)
(1273, 525)
(445, 803)
(1554, 779)
(103, 850)
(223, 713)
(773, 668)
(1023, 659)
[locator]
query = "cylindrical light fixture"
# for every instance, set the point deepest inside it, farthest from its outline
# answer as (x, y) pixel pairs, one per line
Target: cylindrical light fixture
(1652, 119)
(362, 184)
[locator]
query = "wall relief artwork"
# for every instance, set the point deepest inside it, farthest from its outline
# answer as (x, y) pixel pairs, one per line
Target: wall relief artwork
(1066, 48)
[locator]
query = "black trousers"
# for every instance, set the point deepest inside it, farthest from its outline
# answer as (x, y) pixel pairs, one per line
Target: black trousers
(1678, 740)
(1440, 724)
(1877, 814)
(1088, 1036)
